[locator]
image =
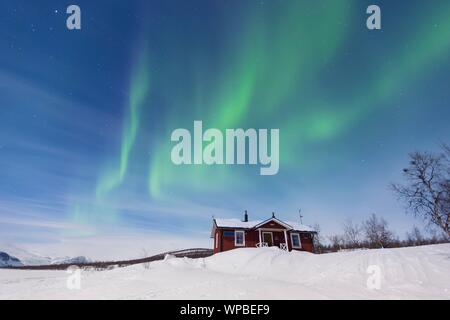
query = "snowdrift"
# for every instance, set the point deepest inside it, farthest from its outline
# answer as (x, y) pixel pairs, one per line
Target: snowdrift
(263, 273)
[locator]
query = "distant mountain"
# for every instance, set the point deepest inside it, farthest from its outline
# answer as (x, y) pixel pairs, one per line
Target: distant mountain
(9, 261)
(26, 257)
(68, 260)
(32, 259)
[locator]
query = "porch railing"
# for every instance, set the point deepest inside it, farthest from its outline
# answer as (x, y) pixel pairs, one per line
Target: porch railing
(283, 246)
(262, 244)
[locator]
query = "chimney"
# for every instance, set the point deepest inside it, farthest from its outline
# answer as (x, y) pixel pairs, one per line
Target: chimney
(273, 214)
(245, 216)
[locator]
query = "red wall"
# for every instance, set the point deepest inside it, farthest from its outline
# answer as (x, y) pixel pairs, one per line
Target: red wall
(307, 241)
(252, 238)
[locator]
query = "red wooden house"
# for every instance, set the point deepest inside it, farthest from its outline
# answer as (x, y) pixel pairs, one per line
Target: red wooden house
(233, 233)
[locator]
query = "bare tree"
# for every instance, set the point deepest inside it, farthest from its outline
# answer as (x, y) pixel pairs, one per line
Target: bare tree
(377, 232)
(337, 242)
(427, 192)
(317, 239)
(415, 238)
(352, 234)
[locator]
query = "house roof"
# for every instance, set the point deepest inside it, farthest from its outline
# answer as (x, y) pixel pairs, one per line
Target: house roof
(236, 223)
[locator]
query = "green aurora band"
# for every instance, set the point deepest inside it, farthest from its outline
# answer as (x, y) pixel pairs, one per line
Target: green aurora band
(268, 62)
(271, 65)
(102, 208)
(275, 60)
(139, 89)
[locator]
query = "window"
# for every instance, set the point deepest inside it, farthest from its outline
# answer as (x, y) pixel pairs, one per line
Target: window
(239, 238)
(295, 240)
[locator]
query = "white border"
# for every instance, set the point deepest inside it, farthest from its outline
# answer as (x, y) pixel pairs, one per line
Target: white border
(235, 238)
(299, 240)
(217, 240)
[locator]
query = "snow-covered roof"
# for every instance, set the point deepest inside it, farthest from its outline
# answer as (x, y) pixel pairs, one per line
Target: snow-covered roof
(300, 227)
(236, 223)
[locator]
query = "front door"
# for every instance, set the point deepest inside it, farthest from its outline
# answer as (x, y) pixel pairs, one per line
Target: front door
(268, 238)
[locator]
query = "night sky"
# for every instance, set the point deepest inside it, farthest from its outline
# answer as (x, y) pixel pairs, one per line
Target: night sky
(86, 115)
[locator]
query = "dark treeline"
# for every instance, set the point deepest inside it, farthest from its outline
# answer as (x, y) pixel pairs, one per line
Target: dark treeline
(373, 233)
(425, 193)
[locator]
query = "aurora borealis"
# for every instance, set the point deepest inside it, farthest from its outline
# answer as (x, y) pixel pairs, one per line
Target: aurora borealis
(86, 116)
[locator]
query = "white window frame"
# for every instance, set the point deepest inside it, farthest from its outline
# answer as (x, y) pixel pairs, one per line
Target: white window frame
(235, 238)
(217, 240)
(299, 240)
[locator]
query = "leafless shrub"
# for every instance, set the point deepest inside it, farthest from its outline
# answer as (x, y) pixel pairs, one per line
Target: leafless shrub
(427, 191)
(352, 234)
(377, 232)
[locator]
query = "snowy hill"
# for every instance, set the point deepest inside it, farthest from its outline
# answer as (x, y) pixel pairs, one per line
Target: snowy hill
(8, 261)
(26, 257)
(264, 273)
(68, 260)
(34, 259)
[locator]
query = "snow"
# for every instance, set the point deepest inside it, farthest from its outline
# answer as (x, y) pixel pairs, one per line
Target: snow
(236, 223)
(31, 258)
(252, 273)
(299, 227)
(7, 260)
(66, 260)
(98, 247)
(25, 256)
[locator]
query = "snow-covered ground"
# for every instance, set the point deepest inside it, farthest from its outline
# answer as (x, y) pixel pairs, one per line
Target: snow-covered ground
(264, 273)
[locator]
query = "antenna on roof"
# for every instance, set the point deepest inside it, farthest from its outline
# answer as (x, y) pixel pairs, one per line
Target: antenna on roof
(300, 215)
